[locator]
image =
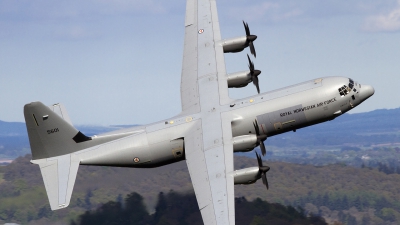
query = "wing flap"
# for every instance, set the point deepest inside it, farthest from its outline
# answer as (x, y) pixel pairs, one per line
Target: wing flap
(196, 163)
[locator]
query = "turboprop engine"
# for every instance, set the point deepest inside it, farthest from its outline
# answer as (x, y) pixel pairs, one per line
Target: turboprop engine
(252, 174)
(247, 175)
(242, 79)
(239, 43)
(248, 142)
(245, 143)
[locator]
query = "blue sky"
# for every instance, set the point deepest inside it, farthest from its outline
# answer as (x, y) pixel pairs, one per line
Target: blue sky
(119, 62)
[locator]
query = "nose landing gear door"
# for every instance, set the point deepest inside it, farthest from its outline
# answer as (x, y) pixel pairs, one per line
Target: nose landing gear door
(178, 148)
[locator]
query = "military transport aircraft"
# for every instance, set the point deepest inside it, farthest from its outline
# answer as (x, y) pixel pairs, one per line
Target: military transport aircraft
(210, 128)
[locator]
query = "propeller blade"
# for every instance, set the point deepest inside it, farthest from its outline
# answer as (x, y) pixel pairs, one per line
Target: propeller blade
(260, 138)
(263, 149)
(264, 179)
(259, 160)
(255, 124)
(254, 74)
(246, 27)
(251, 65)
(252, 49)
(263, 170)
(250, 38)
(255, 82)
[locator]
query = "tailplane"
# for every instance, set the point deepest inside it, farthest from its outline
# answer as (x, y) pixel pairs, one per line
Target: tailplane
(55, 144)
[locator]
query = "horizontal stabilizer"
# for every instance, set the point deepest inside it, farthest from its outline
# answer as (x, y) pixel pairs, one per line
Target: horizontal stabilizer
(59, 174)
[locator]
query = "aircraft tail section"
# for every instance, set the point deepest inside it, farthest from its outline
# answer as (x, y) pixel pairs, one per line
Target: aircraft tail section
(53, 141)
(49, 133)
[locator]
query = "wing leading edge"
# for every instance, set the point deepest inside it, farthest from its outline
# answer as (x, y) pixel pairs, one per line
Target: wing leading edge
(204, 90)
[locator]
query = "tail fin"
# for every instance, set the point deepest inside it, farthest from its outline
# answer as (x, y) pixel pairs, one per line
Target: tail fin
(49, 134)
(53, 140)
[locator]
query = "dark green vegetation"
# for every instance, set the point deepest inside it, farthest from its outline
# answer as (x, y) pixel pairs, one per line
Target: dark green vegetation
(178, 209)
(336, 192)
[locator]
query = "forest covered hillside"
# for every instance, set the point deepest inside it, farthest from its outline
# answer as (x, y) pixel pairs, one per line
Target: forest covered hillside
(336, 192)
(181, 209)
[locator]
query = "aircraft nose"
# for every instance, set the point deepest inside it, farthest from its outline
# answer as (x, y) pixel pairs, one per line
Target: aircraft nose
(367, 91)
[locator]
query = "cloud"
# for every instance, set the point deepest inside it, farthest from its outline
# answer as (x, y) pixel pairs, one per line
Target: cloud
(388, 22)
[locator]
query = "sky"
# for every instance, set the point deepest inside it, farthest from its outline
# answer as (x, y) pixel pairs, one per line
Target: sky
(119, 62)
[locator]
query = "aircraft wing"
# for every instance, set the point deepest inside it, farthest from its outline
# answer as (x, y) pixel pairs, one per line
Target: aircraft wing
(204, 90)
(201, 51)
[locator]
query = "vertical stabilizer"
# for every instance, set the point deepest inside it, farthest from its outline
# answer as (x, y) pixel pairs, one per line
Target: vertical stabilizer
(51, 134)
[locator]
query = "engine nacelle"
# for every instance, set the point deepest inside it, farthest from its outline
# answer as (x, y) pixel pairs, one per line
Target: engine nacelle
(247, 175)
(239, 79)
(244, 143)
(234, 44)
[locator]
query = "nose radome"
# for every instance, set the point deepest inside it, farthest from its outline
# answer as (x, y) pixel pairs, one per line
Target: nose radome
(367, 91)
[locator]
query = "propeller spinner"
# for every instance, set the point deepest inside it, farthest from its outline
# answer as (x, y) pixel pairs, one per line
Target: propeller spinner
(250, 39)
(254, 74)
(263, 170)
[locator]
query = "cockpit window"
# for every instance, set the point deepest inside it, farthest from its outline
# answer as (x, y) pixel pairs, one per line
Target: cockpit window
(351, 83)
(344, 90)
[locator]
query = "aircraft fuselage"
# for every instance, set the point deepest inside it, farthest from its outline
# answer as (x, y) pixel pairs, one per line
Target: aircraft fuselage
(278, 111)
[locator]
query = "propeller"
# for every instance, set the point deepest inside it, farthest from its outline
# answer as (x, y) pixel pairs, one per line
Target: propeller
(254, 74)
(263, 170)
(250, 38)
(260, 138)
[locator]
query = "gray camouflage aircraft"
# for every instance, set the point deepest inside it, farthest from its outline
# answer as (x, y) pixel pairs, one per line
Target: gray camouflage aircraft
(210, 128)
